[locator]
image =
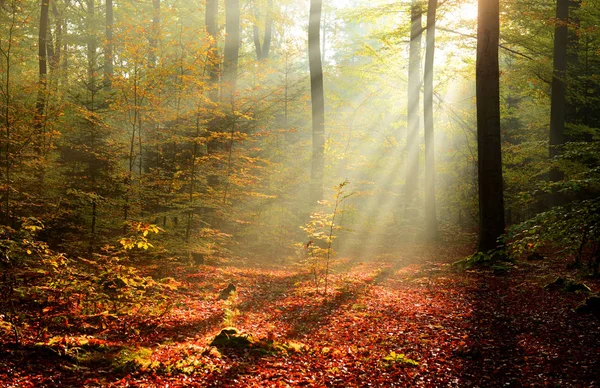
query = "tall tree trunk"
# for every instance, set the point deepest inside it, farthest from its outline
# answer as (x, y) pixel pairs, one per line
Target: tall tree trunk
(43, 75)
(213, 62)
(108, 54)
(154, 32)
(431, 224)
(230, 67)
(212, 8)
(92, 45)
(318, 102)
(58, 33)
(559, 91)
(256, 32)
(266, 49)
(413, 120)
(491, 199)
(262, 51)
(232, 48)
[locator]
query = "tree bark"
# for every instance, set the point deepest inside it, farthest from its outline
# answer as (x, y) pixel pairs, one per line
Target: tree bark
(559, 91)
(262, 51)
(431, 223)
(92, 45)
(413, 120)
(266, 49)
(154, 33)
(43, 75)
(232, 48)
(58, 32)
(491, 199)
(108, 54)
(210, 17)
(318, 102)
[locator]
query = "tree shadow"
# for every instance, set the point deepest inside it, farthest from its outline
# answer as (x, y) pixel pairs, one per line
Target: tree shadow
(520, 334)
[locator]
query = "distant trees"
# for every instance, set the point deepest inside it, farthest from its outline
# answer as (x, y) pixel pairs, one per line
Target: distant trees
(491, 199)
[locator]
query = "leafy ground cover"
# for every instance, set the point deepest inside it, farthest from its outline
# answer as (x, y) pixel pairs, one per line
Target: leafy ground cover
(409, 319)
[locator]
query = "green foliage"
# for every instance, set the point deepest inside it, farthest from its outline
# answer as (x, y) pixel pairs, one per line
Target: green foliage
(496, 259)
(320, 233)
(400, 359)
(94, 291)
(574, 229)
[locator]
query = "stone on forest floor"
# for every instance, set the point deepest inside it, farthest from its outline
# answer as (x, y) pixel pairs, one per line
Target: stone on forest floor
(231, 338)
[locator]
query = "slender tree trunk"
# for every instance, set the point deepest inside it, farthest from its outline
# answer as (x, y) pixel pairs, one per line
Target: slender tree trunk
(108, 54)
(154, 33)
(212, 8)
(559, 91)
(268, 31)
(43, 75)
(318, 103)
(213, 63)
(413, 119)
(491, 199)
(92, 45)
(256, 32)
(431, 223)
(8, 217)
(58, 33)
(262, 52)
(232, 48)
(230, 67)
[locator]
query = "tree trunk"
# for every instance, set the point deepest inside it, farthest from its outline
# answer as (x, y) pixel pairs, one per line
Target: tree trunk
(108, 54)
(491, 200)
(559, 91)
(262, 51)
(212, 8)
(318, 102)
(154, 33)
(413, 120)
(431, 224)
(58, 33)
(43, 74)
(232, 48)
(92, 45)
(268, 31)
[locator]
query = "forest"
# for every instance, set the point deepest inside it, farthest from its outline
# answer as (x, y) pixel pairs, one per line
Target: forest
(286, 193)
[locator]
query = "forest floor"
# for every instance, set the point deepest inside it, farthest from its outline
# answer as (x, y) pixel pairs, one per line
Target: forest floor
(401, 320)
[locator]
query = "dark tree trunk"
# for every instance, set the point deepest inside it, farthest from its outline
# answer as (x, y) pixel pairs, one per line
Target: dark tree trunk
(262, 51)
(491, 199)
(413, 120)
(43, 74)
(266, 49)
(108, 54)
(431, 224)
(559, 91)
(318, 102)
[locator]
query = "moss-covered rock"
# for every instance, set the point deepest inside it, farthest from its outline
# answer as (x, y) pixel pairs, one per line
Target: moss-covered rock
(232, 338)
